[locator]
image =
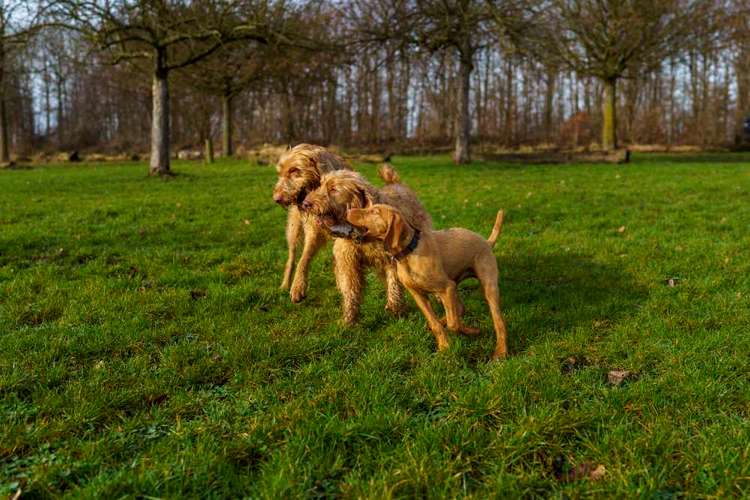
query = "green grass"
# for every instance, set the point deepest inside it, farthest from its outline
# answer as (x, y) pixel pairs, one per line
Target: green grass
(145, 348)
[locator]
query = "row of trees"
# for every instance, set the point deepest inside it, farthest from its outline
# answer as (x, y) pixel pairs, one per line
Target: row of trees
(101, 74)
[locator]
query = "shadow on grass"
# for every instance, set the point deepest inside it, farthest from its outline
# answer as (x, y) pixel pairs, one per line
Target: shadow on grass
(555, 294)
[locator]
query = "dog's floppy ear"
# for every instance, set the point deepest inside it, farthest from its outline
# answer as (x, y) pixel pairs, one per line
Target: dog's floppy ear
(349, 214)
(362, 198)
(366, 198)
(396, 227)
(346, 213)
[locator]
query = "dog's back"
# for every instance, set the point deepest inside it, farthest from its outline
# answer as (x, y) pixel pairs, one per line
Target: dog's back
(396, 194)
(460, 248)
(389, 174)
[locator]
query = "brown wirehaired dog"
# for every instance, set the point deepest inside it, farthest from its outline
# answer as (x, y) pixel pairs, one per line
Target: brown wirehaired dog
(434, 262)
(340, 190)
(300, 169)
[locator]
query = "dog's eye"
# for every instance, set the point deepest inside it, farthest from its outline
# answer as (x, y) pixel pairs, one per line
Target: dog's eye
(293, 171)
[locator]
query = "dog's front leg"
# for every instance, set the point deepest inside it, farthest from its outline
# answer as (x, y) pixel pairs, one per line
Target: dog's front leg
(454, 310)
(349, 278)
(293, 234)
(314, 239)
(394, 291)
(432, 320)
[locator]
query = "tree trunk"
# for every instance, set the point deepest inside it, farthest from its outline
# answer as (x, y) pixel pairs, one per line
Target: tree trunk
(289, 114)
(4, 146)
(47, 102)
(60, 108)
(159, 164)
(632, 88)
(510, 103)
(609, 115)
(226, 125)
(462, 155)
(209, 155)
(742, 72)
(403, 107)
(4, 139)
(671, 131)
(549, 101)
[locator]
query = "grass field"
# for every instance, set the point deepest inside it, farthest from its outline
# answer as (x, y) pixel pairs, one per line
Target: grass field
(145, 348)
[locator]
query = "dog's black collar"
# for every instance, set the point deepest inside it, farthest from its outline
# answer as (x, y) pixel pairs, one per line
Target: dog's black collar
(410, 247)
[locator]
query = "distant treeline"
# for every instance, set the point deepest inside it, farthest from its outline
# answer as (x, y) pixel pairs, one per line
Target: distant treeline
(374, 73)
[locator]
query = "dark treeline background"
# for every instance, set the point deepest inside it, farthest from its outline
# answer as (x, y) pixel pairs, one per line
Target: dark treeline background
(62, 90)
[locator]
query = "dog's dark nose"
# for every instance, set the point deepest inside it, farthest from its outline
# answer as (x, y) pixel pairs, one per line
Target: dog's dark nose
(277, 198)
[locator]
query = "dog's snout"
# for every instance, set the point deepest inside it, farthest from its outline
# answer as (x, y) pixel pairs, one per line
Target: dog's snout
(278, 198)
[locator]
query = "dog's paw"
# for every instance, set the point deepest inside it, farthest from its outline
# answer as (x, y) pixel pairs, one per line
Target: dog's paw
(395, 309)
(285, 284)
(297, 293)
(498, 356)
(443, 346)
(469, 330)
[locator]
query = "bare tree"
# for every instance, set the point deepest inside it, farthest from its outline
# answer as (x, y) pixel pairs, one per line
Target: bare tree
(607, 38)
(456, 25)
(434, 26)
(167, 35)
(18, 22)
(232, 69)
(387, 83)
(286, 62)
(738, 34)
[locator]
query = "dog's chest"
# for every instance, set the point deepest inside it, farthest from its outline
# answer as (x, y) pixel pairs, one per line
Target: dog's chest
(421, 273)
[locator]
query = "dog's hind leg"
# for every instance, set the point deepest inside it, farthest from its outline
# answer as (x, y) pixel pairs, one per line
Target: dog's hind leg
(314, 239)
(293, 235)
(487, 273)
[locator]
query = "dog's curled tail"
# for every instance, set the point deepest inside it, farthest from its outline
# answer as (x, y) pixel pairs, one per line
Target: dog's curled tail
(389, 174)
(498, 227)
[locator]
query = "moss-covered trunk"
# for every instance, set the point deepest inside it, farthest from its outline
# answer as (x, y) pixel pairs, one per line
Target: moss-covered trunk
(609, 115)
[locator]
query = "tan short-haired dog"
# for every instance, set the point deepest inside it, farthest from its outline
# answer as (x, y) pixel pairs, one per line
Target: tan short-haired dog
(434, 262)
